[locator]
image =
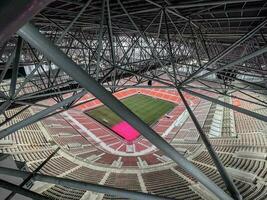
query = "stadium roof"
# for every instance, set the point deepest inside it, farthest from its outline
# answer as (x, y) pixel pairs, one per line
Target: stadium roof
(53, 48)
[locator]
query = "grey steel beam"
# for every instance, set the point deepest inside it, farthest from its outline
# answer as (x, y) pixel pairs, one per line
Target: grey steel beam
(31, 34)
(3, 95)
(211, 3)
(175, 12)
(168, 87)
(5, 106)
(27, 193)
(45, 93)
(12, 117)
(170, 48)
(15, 68)
(25, 103)
(100, 38)
(15, 14)
(227, 105)
(225, 19)
(26, 80)
(138, 37)
(136, 12)
(224, 52)
(216, 160)
(83, 185)
(233, 64)
(182, 17)
(28, 178)
(160, 24)
(7, 64)
(144, 37)
(36, 117)
(73, 21)
(110, 34)
(3, 48)
(138, 86)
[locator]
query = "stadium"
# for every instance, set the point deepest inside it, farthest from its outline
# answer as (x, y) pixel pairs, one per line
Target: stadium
(133, 99)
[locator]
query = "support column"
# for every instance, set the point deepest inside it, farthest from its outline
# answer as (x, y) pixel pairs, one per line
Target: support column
(216, 160)
(15, 68)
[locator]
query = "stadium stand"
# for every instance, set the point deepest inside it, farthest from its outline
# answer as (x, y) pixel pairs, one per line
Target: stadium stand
(83, 158)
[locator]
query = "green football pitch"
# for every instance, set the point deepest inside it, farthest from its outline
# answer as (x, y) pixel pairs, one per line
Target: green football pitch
(147, 108)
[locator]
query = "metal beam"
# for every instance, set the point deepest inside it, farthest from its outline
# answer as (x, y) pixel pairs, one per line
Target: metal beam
(100, 38)
(15, 14)
(73, 21)
(7, 64)
(216, 160)
(5, 106)
(28, 178)
(27, 193)
(211, 3)
(15, 68)
(227, 105)
(12, 117)
(83, 185)
(31, 34)
(233, 64)
(36, 117)
(224, 52)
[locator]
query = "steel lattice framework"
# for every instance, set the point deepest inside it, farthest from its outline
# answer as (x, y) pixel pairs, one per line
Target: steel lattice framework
(103, 46)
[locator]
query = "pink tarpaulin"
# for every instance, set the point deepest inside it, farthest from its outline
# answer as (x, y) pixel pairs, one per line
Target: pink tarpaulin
(126, 131)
